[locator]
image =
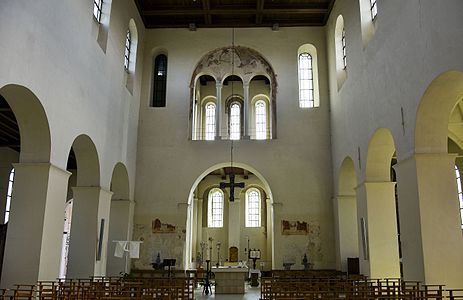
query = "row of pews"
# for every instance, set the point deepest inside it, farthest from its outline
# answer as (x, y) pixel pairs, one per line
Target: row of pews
(178, 288)
(295, 285)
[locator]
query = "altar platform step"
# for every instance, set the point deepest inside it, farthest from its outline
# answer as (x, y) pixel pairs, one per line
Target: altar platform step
(251, 293)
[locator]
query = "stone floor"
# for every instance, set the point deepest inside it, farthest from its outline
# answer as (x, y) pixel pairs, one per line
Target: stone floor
(251, 293)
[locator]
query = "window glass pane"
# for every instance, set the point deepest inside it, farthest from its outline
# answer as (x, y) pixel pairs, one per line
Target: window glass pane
(8, 196)
(159, 81)
(373, 9)
(344, 52)
(253, 209)
(210, 121)
(261, 120)
(97, 7)
(128, 44)
(305, 80)
(235, 126)
(216, 207)
(460, 193)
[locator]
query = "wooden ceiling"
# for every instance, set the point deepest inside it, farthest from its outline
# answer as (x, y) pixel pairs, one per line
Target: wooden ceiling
(233, 13)
(9, 129)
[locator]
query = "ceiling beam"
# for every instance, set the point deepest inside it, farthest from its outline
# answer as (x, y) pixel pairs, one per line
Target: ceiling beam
(206, 9)
(328, 11)
(138, 4)
(241, 11)
(235, 24)
(260, 11)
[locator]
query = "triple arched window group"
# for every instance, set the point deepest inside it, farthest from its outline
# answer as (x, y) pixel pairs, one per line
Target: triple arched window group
(253, 208)
(235, 120)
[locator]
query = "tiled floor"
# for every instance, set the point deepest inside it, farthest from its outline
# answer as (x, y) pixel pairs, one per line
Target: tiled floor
(252, 293)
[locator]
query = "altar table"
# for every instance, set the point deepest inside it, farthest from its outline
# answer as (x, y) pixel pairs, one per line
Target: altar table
(230, 280)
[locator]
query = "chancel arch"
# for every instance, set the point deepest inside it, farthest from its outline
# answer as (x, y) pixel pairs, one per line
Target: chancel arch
(234, 232)
(346, 211)
(237, 62)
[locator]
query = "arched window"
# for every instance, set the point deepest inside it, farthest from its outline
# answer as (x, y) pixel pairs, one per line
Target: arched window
(8, 196)
(97, 9)
(460, 194)
(373, 9)
(253, 208)
(306, 86)
(210, 121)
(340, 45)
(235, 121)
(215, 208)
(160, 81)
(261, 120)
(128, 44)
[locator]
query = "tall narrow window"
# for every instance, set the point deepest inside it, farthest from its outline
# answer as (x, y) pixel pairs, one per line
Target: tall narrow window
(261, 120)
(215, 208)
(97, 9)
(253, 208)
(306, 88)
(8, 196)
(235, 124)
(460, 194)
(160, 81)
(210, 121)
(344, 52)
(373, 9)
(128, 44)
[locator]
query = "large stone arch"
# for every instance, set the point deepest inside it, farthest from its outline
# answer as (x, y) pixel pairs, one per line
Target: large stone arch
(32, 121)
(432, 117)
(120, 221)
(377, 210)
(346, 212)
(380, 151)
(88, 163)
(428, 200)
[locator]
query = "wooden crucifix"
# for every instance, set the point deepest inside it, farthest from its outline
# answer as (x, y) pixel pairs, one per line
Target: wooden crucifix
(232, 186)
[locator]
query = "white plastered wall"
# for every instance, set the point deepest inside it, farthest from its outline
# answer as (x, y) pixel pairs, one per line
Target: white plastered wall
(296, 165)
(413, 43)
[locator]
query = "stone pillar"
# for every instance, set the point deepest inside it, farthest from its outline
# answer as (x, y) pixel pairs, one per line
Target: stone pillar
(432, 245)
(234, 225)
(269, 221)
(246, 124)
(120, 229)
(35, 229)
(348, 228)
(200, 222)
(90, 206)
(218, 111)
(376, 205)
